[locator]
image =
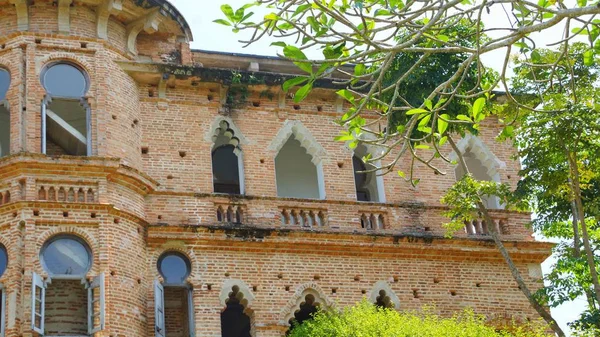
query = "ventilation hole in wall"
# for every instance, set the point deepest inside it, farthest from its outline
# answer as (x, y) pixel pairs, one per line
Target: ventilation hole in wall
(280, 276)
(333, 290)
(262, 161)
(114, 117)
(254, 288)
(319, 108)
(195, 83)
(83, 45)
(23, 271)
(436, 280)
(428, 229)
(357, 278)
(226, 274)
(317, 277)
(139, 281)
(38, 41)
(117, 220)
(139, 230)
(210, 98)
(363, 291)
(145, 149)
(136, 122)
(14, 214)
(170, 177)
(93, 215)
(113, 273)
(209, 286)
(416, 293)
(509, 176)
(296, 107)
(150, 92)
(256, 104)
(3, 46)
(453, 292)
(24, 108)
(160, 217)
(65, 214)
(212, 90)
(287, 288)
(519, 287)
(436, 173)
(340, 164)
(478, 285)
(132, 125)
(36, 212)
(395, 279)
(182, 154)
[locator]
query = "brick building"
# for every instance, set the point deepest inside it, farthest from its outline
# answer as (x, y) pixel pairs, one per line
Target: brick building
(144, 193)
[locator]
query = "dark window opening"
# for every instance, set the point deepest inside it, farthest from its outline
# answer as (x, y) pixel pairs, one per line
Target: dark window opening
(226, 174)
(4, 114)
(307, 309)
(383, 300)
(234, 322)
(367, 188)
(3, 260)
(360, 179)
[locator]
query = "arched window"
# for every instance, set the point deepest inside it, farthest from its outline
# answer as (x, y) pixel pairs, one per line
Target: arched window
(4, 114)
(227, 161)
(3, 260)
(383, 296)
(482, 165)
(67, 259)
(296, 175)
(369, 186)
(234, 321)
(65, 112)
(173, 299)
(307, 309)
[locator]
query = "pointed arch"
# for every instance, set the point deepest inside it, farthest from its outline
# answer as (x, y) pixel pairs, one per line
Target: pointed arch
(481, 162)
(298, 162)
(368, 185)
(227, 156)
(304, 293)
(237, 314)
(383, 295)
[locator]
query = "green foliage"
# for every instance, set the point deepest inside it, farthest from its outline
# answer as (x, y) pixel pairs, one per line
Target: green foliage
(366, 320)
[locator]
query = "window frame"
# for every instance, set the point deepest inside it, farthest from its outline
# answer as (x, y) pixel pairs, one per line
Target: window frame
(83, 72)
(188, 265)
(2, 310)
(4, 102)
(237, 151)
(65, 276)
(3, 248)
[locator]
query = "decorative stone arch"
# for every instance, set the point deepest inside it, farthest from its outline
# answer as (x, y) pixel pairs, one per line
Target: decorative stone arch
(308, 142)
(298, 298)
(246, 296)
(303, 135)
(181, 248)
(224, 126)
(382, 288)
(475, 145)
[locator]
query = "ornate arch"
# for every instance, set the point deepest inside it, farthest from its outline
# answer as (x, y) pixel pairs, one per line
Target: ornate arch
(382, 288)
(244, 294)
(473, 144)
(230, 130)
(66, 57)
(303, 135)
(181, 248)
(298, 298)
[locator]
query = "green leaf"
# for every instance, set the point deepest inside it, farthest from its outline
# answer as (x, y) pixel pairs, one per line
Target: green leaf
(442, 125)
(442, 37)
(443, 140)
(402, 174)
(382, 11)
(293, 52)
(588, 57)
(582, 3)
(344, 137)
(416, 111)
(347, 95)
(428, 104)
(305, 66)
(478, 107)
(279, 44)
(359, 69)
(228, 11)
(301, 9)
(425, 120)
(303, 92)
(464, 118)
(222, 22)
(536, 57)
(287, 85)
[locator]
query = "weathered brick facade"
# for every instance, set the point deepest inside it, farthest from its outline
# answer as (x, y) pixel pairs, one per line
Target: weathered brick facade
(146, 188)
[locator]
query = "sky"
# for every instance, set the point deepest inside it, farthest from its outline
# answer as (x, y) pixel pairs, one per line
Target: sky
(211, 36)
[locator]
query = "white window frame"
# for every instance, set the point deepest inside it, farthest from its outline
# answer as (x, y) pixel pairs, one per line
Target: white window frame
(88, 118)
(97, 284)
(38, 283)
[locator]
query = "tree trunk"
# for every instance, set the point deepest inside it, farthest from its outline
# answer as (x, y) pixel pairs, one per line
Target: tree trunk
(589, 295)
(539, 308)
(581, 214)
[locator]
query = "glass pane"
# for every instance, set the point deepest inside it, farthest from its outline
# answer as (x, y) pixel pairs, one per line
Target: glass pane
(64, 80)
(3, 260)
(174, 268)
(66, 256)
(4, 83)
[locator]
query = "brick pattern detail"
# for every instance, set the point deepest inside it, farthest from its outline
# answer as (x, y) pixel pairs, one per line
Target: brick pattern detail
(67, 192)
(302, 217)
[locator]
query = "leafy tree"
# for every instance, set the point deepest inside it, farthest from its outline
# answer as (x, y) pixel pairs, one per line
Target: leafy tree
(365, 319)
(372, 35)
(560, 147)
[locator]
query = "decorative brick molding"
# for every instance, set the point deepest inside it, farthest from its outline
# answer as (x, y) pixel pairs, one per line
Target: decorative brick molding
(382, 288)
(80, 192)
(479, 227)
(475, 145)
(4, 197)
(230, 213)
(373, 220)
(303, 135)
(293, 305)
(223, 123)
(303, 217)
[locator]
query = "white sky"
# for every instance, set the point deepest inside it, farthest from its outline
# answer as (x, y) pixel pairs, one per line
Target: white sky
(212, 36)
